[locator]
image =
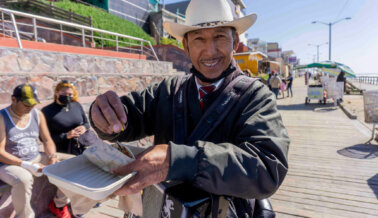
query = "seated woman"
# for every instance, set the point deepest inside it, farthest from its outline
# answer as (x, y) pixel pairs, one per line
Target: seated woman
(66, 119)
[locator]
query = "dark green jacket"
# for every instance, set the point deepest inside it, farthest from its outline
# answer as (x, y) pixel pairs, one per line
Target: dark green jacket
(245, 157)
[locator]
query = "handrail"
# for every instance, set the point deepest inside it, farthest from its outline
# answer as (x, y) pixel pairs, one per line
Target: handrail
(373, 80)
(173, 15)
(52, 11)
(78, 26)
(16, 30)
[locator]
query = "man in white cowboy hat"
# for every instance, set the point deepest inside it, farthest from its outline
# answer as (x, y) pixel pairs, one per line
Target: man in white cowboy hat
(242, 154)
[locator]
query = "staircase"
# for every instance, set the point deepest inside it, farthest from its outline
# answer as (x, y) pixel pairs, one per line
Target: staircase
(39, 28)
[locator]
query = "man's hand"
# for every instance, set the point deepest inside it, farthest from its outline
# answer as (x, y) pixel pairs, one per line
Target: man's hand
(108, 113)
(41, 167)
(34, 168)
(151, 167)
(53, 160)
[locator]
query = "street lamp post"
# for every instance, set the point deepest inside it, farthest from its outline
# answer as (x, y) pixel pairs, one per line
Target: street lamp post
(317, 48)
(330, 31)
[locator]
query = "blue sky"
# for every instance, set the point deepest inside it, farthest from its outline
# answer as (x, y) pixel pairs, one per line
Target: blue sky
(288, 22)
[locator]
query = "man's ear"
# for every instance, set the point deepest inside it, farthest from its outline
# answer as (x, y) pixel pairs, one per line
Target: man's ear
(236, 42)
(14, 100)
(185, 44)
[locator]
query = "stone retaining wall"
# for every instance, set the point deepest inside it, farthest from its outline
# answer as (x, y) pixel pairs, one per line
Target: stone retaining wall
(90, 74)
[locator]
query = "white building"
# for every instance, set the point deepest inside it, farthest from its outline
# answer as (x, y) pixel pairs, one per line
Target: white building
(238, 8)
(258, 45)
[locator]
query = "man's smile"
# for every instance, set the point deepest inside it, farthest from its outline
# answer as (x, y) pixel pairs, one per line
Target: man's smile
(211, 63)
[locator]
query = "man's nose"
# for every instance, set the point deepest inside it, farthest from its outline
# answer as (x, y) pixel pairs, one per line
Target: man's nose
(210, 47)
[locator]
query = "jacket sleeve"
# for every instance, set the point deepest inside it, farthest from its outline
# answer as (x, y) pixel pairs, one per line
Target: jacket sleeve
(253, 167)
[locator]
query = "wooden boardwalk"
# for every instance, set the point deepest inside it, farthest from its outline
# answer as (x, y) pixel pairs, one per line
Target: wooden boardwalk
(331, 172)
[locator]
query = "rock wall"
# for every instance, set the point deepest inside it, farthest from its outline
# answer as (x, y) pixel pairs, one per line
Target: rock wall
(177, 56)
(91, 75)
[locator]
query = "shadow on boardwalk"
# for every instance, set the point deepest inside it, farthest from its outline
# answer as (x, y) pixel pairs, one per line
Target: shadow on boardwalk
(307, 107)
(373, 184)
(360, 151)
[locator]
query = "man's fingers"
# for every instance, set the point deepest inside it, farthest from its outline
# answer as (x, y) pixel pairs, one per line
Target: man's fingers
(99, 119)
(129, 168)
(109, 113)
(117, 105)
(134, 185)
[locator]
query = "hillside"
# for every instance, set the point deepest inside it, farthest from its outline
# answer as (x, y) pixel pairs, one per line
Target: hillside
(106, 21)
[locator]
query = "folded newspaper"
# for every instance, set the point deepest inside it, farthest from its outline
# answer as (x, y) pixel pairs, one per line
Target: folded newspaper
(108, 157)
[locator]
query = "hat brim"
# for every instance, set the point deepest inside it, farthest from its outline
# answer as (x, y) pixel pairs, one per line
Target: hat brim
(31, 101)
(179, 30)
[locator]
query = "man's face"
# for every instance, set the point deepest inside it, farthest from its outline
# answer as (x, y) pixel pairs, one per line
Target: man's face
(20, 108)
(211, 50)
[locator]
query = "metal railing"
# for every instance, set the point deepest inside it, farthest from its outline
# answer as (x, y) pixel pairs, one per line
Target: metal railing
(173, 16)
(62, 29)
(48, 10)
(373, 80)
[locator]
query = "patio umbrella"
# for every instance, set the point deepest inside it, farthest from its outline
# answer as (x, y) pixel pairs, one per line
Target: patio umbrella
(317, 65)
(330, 65)
(342, 67)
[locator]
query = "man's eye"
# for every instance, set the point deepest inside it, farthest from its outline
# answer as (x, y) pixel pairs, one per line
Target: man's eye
(219, 36)
(198, 39)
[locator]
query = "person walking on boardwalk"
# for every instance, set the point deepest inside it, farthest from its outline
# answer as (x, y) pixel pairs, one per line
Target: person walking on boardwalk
(243, 154)
(289, 85)
(275, 83)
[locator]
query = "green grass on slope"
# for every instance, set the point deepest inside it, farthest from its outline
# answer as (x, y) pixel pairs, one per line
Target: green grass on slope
(105, 21)
(167, 41)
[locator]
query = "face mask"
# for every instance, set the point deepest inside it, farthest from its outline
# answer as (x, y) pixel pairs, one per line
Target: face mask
(64, 99)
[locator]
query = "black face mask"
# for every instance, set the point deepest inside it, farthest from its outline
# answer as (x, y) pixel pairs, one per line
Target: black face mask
(64, 99)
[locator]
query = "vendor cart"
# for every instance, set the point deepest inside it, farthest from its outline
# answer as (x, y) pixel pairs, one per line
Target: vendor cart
(334, 89)
(316, 92)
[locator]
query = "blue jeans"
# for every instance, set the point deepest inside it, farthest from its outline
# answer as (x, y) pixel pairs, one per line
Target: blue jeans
(289, 89)
(276, 91)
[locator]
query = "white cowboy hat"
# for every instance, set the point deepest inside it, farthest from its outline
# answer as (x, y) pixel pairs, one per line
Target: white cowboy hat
(202, 14)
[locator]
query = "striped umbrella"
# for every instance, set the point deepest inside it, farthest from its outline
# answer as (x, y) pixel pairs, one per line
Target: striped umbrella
(330, 67)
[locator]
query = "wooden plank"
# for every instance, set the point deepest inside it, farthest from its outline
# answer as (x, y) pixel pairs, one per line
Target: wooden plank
(326, 193)
(299, 209)
(327, 207)
(329, 173)
(332, 188)
(328, 200)
(327, 183)
(332, 178)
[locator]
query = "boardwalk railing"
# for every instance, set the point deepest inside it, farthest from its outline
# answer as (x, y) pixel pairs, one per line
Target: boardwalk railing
(9, 26)
(373, 80)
